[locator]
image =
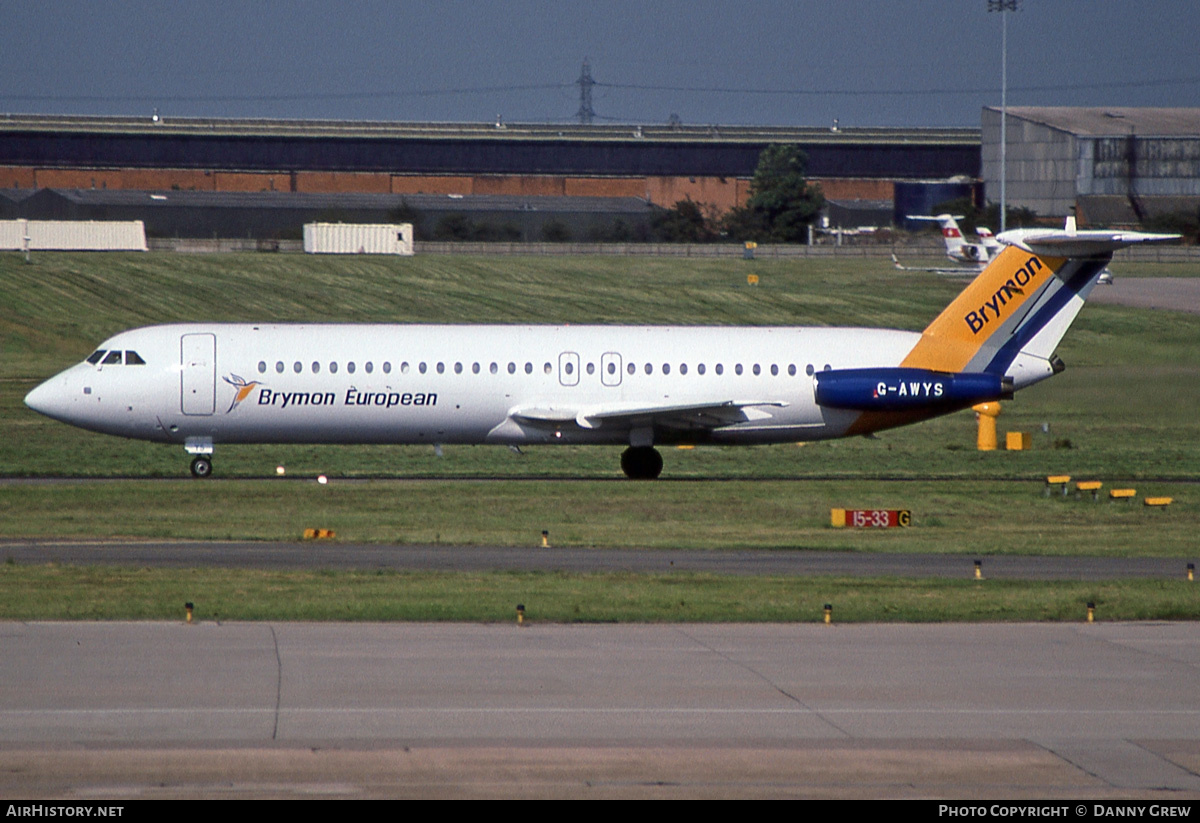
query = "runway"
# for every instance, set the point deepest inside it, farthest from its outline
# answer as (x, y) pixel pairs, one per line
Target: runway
(449, 710)
(323, 555)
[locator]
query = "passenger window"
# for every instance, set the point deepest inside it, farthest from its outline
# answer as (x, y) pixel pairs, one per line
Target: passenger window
(649, 369)
(96, 357)
(333, 367)
(421, 368)
(441, 368)
(529, 368)
(404, 367)
(569, 368)
(757, 370)
(700, 368)
(132, 358)
(387, 367)
(791, 370)
(113, 359)
(350, 367)
(720, 369)
(458, 368)
(493, 368)
(369, 366)
(262, 366)
(809, 370)
(316, 367)
(737, 369)
(512, 368)
(279, 367)
(774, 370)
(612, 368)
(666, 368)
(547, 368)
(631, 368)
(297, 367)
(683, 368)
(591, 368)
(474, 368)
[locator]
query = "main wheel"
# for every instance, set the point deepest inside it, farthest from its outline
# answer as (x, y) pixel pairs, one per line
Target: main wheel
(641, 462)
(201, 467)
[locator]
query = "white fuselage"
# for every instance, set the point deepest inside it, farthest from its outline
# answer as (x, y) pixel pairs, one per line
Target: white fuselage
(244, 383)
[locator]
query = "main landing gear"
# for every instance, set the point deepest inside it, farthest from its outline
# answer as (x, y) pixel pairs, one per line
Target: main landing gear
(201, 466)
(641, 462)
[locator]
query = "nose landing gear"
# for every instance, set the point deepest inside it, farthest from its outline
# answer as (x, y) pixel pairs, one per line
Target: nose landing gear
(201, 466)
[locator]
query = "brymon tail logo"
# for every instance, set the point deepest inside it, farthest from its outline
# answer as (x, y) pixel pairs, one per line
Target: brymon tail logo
(993, 308)
(243, 389)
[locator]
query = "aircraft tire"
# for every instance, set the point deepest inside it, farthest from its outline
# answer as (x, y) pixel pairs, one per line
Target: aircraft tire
(641, 463)
(201, 467)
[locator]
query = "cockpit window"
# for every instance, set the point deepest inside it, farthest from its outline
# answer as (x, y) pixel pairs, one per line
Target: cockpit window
(114, 358)
(95, 356)
(132, 358)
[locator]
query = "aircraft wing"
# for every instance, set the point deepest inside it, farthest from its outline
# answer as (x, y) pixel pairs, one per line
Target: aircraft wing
(709, 415)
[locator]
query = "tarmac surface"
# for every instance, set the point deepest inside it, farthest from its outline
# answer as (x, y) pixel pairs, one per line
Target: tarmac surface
(322, 555)
(1172, 293)
(247, 710)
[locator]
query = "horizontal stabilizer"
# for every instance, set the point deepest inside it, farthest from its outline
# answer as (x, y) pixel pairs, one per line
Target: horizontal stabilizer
(1066, 243)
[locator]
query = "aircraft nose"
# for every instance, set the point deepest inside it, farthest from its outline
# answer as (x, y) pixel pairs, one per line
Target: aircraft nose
(49, 398)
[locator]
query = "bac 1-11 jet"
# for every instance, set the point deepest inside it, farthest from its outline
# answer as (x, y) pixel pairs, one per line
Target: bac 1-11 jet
(198, 385)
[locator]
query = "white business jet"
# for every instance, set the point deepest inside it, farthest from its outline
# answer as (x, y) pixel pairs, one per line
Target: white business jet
(972, 256)
(197, 385)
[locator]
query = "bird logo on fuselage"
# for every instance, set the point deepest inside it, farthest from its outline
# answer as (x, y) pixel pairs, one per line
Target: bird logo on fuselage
(243, 389)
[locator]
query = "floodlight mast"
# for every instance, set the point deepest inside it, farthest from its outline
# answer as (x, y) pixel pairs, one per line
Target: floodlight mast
(1003, 6)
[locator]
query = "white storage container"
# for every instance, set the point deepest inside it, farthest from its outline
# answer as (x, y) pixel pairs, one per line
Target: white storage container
(358, 238)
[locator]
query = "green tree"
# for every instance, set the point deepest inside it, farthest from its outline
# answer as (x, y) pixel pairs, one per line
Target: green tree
(556, 231)
(782, 205)
(684, 223)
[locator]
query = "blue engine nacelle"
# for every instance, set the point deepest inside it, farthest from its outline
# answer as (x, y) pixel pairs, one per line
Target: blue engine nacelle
(896, 389)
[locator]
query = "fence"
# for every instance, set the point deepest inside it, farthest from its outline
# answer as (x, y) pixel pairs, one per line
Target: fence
(934, 249)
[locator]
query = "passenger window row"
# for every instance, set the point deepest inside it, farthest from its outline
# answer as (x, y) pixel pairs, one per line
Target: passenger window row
(547, 368)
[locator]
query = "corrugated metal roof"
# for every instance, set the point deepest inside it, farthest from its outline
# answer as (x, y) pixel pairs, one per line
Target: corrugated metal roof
(16, 195)
(16, 123)
(1112, 121)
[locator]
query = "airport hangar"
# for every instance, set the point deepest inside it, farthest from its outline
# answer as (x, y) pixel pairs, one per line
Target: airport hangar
(1116, 166)
(209, 175)
(194, 177)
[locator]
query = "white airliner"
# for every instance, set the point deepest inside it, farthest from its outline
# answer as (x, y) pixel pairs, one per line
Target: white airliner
(200, 384)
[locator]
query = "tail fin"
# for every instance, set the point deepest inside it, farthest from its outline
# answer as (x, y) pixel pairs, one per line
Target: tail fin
(1010, 319)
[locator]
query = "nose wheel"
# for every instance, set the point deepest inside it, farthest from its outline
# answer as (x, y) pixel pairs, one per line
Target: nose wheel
(641, 462)
(201, 467)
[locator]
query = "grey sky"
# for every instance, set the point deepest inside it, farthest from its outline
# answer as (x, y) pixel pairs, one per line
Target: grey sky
(765, 62)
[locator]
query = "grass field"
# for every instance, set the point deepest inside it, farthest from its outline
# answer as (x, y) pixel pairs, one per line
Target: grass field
(96, 593)
(1123, 412)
